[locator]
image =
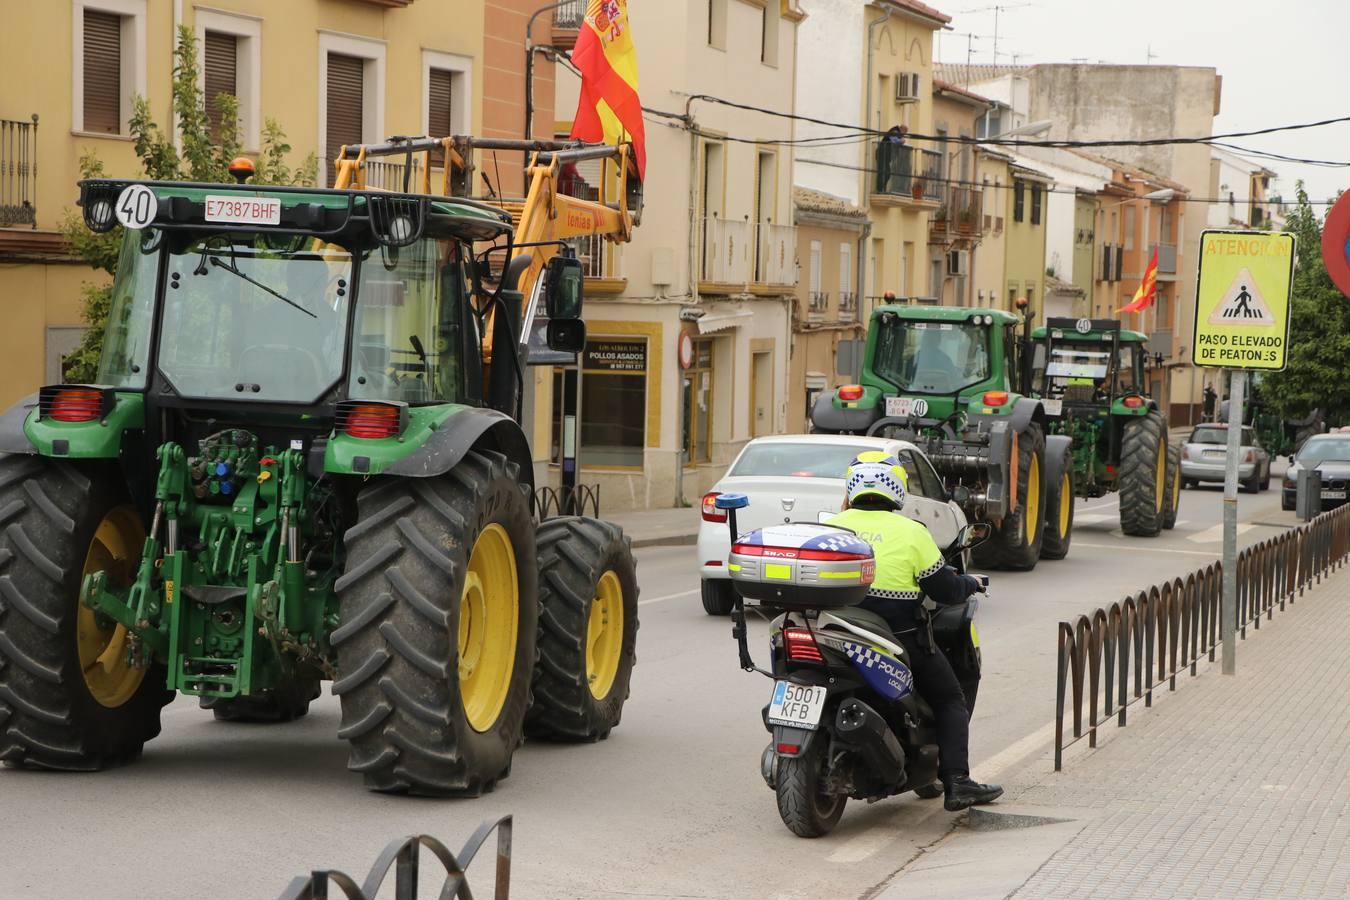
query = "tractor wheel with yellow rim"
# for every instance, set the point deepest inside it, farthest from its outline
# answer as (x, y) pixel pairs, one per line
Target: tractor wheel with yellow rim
(75, 694)
(1172, 493)
(588, 621)
(436, 644)
(1016, 541)
(1059, 499)
(1143, 475)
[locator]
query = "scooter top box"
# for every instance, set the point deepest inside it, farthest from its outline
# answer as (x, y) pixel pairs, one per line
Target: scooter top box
(802, 566)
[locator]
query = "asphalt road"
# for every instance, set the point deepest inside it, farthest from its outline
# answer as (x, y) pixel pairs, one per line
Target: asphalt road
(671, 805)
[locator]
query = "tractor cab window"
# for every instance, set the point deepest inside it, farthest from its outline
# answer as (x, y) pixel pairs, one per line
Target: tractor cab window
(126, 343)
(1073, 372)
(931, 357)
(1130, 365)
(413, 332)
(257, 317)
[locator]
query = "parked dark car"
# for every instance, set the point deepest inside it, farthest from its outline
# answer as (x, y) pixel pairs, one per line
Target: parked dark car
(1331, 454)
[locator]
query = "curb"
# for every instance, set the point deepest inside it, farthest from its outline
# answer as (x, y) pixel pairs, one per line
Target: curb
(666, 540)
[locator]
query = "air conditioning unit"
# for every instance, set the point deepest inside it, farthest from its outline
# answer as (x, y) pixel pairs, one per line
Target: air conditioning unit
(906, 87)
(958, 262)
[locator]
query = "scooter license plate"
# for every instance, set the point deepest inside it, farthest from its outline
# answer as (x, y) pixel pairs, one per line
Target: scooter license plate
(796, 705)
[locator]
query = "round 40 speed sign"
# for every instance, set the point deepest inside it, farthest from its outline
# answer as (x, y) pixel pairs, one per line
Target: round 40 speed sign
(136, 206)
(1336, 243)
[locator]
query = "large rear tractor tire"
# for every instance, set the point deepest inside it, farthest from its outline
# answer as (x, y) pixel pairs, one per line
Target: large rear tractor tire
(588, 622)
(805, 807)
(284, 704)
(1172, 496)
(1059, 504)
(1143, 475)
(1017, 543)
(69, 697)
(439, 617)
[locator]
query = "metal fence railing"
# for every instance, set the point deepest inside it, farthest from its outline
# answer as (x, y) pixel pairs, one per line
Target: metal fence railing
(403, 857)
(570, 14)
(18, 172)
(549, 502)
(1113, 658)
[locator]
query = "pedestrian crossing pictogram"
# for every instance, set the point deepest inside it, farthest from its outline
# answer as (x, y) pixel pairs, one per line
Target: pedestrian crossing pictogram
(1242, 303)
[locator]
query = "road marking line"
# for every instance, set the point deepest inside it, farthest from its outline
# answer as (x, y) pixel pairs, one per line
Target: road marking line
(867, 844)
(1092, 519)
(1214, 535)
(1132, 547)
(668, 597)
(1107, 505)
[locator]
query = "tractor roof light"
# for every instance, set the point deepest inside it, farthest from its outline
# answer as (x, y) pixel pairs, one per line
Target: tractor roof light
(75, 402)
(851, 392)
(242, 169)
(371, 420)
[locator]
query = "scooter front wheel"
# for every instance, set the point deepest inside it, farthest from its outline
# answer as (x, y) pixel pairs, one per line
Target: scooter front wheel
(806, 807)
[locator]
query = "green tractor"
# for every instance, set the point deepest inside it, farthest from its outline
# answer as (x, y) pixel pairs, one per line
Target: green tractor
(1089, 377)
(947, 379)
(302, 462)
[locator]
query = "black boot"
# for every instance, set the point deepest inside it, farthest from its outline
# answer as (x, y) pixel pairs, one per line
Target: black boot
(962, 793)
(929, 791)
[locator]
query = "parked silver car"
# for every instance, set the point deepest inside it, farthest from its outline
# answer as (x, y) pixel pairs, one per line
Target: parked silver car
(1329, 453)
(1204, 457)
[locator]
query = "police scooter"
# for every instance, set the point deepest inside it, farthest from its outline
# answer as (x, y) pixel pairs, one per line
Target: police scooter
(845, 717)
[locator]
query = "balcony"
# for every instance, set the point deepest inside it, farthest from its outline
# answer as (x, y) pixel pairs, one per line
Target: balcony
(818, 304)
(747, 254)
(18, 172)
(907, 175)
(848, 306)
(1167, 259)
(959, 218)
(567, 20)
(601, 263)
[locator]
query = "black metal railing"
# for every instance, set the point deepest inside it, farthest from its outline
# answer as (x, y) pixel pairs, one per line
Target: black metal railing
(1115, 657)
(403, 857)
(18, 172)
(550, 502)
(570, 14)
(908, 171)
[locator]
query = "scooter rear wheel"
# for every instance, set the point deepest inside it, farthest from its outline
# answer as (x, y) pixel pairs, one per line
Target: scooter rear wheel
(803, 803)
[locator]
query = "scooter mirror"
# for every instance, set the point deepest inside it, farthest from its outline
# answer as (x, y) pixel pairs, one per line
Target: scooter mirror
(973, 535)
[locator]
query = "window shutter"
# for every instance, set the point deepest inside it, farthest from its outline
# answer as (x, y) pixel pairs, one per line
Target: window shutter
(440, 106)
(221, 75)
(102, 72)
(346, 105)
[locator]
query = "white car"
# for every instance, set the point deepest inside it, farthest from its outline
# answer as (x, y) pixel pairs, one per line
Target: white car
(800, 478)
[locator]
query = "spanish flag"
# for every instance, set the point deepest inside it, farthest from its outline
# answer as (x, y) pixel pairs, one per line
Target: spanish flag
(1148, 288)
(610, 111)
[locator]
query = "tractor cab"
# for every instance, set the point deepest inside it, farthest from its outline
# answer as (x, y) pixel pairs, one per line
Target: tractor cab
(1088, 363)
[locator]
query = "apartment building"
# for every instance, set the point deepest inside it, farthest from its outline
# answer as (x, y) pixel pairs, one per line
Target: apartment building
(330, 72)
(690, 324)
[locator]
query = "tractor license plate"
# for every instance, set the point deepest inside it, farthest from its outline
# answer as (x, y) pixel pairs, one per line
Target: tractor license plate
(243, 210)
(1333, 495)
(796, 705)
(906, 406)
(1053, 407)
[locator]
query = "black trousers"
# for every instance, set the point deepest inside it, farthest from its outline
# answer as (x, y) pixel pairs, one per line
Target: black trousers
(937, 682)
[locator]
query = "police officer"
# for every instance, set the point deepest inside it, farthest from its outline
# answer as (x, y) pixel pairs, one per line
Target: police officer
(909, 565)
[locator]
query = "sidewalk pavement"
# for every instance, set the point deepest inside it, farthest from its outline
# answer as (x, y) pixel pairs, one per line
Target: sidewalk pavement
(1231, 786)
(659, 527)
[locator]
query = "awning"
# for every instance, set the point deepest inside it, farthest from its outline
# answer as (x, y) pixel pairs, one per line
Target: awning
(720, 320)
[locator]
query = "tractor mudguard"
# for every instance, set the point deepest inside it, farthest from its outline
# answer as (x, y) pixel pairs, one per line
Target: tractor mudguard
(460, 433)
(1024, 411)
(826, 418)
(13, 439)
(1000, 456)
(1055, 447)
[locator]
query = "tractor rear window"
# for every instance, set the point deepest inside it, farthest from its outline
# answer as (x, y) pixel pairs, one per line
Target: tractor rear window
(256, 317)
(931, 357)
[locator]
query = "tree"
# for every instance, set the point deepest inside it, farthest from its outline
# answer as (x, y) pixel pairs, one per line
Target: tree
(204, 157)
(1319, 336)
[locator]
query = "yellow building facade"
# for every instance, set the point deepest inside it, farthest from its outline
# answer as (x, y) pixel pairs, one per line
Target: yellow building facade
(328, 71)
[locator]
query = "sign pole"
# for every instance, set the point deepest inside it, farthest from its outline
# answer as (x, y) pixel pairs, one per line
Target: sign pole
(1228, 615)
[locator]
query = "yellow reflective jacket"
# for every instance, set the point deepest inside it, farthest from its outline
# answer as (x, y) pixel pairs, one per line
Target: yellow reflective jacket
(904, 550)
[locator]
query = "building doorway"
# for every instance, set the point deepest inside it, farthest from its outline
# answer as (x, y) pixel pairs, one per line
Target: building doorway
(761, 393)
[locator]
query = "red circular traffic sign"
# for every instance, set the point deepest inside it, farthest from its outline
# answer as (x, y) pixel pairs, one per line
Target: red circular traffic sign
(686, 350)
(1336, 243)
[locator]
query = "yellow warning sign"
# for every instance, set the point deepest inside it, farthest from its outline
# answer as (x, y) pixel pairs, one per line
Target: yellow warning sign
(1242, 301)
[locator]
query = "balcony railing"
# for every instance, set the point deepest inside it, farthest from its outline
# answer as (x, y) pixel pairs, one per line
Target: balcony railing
(848, 306)
(745, 252)
(908, 171)
(959, 216)
(1167, 259)
(820, 301)
(599, 258)
(18, 172)
(570, 14)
